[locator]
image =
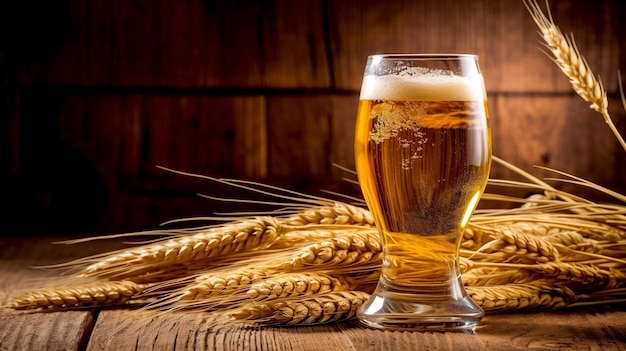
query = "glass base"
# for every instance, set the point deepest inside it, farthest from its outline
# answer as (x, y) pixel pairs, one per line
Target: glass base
(399, 313)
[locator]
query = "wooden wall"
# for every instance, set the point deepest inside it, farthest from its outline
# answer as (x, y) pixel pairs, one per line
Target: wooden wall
(97, 93)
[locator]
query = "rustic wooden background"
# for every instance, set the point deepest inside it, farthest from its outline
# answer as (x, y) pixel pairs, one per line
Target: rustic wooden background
(95, 94)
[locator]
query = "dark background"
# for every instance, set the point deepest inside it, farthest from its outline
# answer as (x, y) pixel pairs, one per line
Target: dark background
(95, 94)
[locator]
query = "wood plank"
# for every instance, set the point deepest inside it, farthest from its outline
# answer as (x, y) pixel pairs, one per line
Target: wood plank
(116, 330)
(369, 339)
(343, 119)
(252, 44)
(582, 329)
(127, 136)
(595, 329)
(411, 27)
(52, 331)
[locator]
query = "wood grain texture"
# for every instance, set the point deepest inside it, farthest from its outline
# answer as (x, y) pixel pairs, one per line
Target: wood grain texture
(284, 44)
(193, 331)
(50, 331)
(189, 331)
(131, 135)
(298, 136)
(343, 119)
(583, 329)
(81, 154)
(501, 32)
(559, 132)
(96, 94)
(167, 43)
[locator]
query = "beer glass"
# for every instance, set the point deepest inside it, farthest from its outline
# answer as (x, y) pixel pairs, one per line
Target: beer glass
(423, 154)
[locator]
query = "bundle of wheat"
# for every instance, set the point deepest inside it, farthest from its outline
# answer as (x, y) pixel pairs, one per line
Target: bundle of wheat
(554, 251)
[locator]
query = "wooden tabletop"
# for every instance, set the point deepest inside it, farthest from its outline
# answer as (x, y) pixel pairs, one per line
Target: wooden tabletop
(597, 328)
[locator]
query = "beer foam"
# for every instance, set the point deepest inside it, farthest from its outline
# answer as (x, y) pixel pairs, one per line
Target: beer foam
(431, 85)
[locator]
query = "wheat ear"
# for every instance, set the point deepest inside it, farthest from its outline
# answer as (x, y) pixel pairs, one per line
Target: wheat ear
(241, 236)
(339, 213)
(568, 58)
(347, 251)
(298, 284)
(93, 294)
(316, 309)
(520, 297)
(212, 285)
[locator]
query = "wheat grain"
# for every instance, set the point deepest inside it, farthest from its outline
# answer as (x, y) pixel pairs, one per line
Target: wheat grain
(297, 284)
(474, 237)
(92, 294)
(316, 309)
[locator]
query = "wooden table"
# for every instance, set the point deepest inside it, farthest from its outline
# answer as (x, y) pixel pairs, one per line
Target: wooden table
(598, 328)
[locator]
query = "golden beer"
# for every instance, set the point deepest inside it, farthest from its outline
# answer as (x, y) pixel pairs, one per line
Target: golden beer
(423, 153)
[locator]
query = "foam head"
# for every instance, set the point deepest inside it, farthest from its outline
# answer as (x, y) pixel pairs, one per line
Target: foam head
(423, 84)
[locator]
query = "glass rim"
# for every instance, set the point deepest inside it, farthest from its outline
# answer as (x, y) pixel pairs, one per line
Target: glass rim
(424, 56)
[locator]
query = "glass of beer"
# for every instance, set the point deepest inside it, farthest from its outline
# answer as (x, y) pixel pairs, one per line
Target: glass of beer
(423, 154)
